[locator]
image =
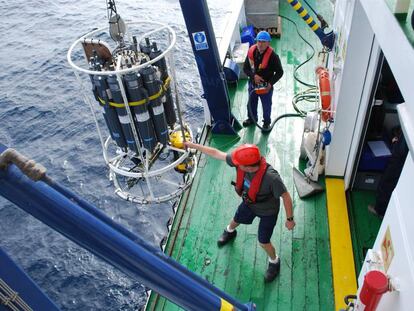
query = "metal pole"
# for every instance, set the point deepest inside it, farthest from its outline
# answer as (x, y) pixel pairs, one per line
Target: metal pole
(111, 244)
(203, 41)
(177, 101)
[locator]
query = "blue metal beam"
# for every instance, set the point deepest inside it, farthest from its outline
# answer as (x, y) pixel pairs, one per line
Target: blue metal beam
(23, 285)
(203, 41)
(85, 225)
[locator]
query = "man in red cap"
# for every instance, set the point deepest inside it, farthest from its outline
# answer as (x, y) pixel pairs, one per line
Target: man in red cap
(260, 187)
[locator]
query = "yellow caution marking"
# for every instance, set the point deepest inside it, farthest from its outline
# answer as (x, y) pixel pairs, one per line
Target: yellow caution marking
(303, 13)
(343, 269)
(297, 6)
(309, 20)
(226, 306)
(315, 27)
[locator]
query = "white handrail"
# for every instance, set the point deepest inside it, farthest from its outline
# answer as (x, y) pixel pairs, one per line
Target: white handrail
(134, 67)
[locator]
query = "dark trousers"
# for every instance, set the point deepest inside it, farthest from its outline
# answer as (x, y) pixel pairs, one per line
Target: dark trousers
(266, 100)
(391, 175)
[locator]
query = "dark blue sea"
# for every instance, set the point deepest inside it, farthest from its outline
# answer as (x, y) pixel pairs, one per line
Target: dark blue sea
(43, 116)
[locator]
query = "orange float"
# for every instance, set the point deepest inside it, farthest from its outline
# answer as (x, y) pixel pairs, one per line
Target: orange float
(324, 92)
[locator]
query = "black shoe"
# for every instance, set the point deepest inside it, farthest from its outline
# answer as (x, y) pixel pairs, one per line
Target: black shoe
(248, 122)
(226, 237)
(266, 126)
(272, 271)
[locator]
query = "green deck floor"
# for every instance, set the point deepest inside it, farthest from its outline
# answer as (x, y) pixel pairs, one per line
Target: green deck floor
(305, 280)
(364, 225)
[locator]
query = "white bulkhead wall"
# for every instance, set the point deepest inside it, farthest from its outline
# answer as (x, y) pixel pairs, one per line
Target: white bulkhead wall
(351, 77)
(399, 220)
(372, 23)
(361, 34)
(400, 212)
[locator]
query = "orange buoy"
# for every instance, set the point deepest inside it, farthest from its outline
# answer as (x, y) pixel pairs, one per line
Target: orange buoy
(324, 92)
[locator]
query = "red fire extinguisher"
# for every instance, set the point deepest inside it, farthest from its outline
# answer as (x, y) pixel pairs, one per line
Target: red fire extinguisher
(375, 285)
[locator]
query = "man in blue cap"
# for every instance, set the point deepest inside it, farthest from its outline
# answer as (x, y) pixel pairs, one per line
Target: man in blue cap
(264, 69)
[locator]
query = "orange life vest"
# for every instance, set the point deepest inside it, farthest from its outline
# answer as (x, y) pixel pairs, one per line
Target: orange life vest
(254, 184)
(265, 60)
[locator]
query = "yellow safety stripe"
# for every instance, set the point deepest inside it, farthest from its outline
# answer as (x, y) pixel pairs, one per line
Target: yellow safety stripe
(315, 27)
(297, 6)
(343, 269)
(226, 306)
(309, 20)
(303, 13)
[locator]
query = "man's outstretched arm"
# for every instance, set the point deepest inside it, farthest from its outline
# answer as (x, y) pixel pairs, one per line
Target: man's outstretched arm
(212, 152)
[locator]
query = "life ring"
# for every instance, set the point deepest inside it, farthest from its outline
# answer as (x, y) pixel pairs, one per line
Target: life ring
(324, 92)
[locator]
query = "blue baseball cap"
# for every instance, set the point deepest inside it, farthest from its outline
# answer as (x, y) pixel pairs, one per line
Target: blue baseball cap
(263, 36)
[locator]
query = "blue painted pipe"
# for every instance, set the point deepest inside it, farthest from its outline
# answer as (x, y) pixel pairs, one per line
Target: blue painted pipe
(88, 227)
(156, 251)
(203, 41)
(21, 283)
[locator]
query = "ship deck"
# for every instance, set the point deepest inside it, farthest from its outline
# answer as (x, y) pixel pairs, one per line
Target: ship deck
(306, 279)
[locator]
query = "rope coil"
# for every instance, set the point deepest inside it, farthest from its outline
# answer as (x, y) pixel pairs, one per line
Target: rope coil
(29, 167)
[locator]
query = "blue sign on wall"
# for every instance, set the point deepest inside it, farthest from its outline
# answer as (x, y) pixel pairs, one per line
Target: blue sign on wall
(200, 40)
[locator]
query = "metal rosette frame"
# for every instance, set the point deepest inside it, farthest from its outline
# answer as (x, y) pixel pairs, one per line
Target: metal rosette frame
(144, 175)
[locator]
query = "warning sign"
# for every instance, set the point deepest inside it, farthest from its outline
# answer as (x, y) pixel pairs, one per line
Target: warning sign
(200, 40)
(387, 249)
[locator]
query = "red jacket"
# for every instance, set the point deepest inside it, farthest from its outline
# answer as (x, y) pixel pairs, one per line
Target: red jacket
(255, 183)
(269, 68)
(265, 60)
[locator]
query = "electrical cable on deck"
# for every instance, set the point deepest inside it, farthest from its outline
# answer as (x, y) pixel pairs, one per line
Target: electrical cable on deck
(309, 95)
(250, 112)
(30, 168)
(307, 60)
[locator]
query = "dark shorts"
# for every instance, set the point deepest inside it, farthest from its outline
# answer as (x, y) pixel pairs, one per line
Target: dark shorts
(244, 215)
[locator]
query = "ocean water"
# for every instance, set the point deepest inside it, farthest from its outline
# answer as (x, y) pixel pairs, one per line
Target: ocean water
(43, 116)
